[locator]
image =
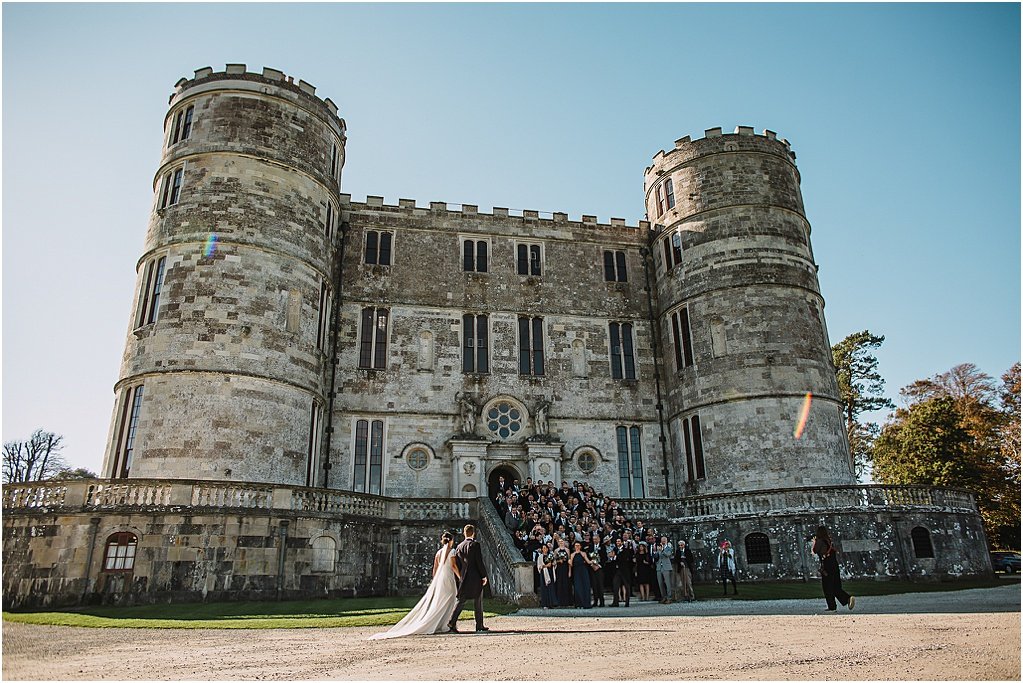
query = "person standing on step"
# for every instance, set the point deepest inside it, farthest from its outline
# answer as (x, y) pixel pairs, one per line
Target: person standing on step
(831, 579)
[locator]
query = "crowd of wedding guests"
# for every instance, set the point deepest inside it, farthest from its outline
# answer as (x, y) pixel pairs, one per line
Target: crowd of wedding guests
(583, 546)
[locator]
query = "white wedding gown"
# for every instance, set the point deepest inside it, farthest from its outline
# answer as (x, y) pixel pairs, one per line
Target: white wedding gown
(432, 612)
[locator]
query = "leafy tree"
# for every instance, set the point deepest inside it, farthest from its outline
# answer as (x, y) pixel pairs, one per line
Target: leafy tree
(959, 430)
(33, 459)
(861, 389)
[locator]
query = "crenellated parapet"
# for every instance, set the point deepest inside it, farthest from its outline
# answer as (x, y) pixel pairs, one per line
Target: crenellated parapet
(268, 76)
(743, 138)
(531, 217)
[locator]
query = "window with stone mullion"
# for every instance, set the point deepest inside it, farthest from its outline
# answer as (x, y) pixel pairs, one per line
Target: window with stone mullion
(376, 457)
(361, 443)
(475, 344)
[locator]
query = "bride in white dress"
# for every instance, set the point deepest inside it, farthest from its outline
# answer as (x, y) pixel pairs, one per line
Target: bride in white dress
(432, 612)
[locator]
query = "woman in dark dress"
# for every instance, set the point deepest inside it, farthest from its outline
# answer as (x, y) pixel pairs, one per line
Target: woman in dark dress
(645, 575)
(831, 581)
(579, 570)
(562, 583)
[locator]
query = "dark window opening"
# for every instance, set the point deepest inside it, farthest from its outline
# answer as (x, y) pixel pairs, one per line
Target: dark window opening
(922, 546)
(758, 549)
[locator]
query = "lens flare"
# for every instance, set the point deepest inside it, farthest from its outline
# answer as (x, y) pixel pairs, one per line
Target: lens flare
(804, 413)
(211, 246)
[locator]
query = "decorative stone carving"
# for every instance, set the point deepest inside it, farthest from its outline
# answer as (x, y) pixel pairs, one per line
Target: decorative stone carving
(468, 410)
(469, 467)
(540, 419)
(545, 469)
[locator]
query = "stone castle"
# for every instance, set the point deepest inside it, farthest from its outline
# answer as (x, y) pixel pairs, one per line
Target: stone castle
(327, 361)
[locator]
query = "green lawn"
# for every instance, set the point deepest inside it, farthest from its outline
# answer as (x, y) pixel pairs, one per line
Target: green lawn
(388, 611)
(284, 614)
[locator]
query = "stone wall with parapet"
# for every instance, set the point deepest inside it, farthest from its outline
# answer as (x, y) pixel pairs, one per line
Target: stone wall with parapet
(207, 541)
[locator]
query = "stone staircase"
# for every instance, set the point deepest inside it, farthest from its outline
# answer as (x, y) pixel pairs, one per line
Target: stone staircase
(510, 577)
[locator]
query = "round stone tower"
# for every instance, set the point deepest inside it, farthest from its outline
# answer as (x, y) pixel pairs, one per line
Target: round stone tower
(225, 367)
(742, 319)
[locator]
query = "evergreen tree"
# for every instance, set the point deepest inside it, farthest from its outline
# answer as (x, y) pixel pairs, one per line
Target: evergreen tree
(861, 389)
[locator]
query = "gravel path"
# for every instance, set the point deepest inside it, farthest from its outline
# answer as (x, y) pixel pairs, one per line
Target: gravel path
(972, 635)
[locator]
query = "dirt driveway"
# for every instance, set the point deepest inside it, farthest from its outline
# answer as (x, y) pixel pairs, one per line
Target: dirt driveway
(972, 635)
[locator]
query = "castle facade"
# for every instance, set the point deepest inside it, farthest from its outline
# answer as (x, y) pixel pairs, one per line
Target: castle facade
(283, 333)
(314, 388)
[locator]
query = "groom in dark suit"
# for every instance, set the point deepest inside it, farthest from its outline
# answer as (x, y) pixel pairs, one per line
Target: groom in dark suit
(467, 563)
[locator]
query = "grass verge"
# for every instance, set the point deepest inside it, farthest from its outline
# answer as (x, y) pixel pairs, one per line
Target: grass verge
(347, 612)
(342, 612)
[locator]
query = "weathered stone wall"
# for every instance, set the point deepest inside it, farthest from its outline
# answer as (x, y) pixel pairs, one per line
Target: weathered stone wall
(759, 343)
(871, 545)
(232, 368)
(427, 292)
(188, 555)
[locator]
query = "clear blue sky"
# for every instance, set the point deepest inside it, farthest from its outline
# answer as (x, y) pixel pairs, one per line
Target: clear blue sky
(905, 120)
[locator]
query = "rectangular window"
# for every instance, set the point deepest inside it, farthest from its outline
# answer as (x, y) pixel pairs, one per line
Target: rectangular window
(672, 250)
(323, 317)
(682, 337)
(175, 130)
(694, 448)
(614, 266)
(475, 256)
(154, 299)
(660, 200)
(475, 344)
(182, 125)
(333, 159)
(630, 463)
(126, 435)
(531, 360)
(622, 354)
(378, 248)
(369, 456)
(328, 223)
(376, 456)
(314, 445)
(186, 128)
(669, 193)
(688, 442)
(171, 188)
(529, 259)
(361, 451)
(149, 297)
(373, 339)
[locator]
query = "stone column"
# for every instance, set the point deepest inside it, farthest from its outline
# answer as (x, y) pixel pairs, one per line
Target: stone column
(545, 456)
(467, 456)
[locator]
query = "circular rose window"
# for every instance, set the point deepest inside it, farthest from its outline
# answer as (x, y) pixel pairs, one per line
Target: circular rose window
(504, 419)
(417, 459)
(587, 462)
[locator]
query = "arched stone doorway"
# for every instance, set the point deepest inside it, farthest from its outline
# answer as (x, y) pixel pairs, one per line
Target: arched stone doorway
(509, 473)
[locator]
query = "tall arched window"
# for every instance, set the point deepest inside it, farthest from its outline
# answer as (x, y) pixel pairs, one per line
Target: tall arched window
(922, 546)
(758, 549)
(119, 554)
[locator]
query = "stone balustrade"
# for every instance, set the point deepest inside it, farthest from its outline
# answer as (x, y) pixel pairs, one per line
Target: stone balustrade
(511, 577)
(101, 494)
(807, 499)
(158, 494)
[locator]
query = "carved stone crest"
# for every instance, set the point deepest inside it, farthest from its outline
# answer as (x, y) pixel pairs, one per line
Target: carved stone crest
(469, 467)
(545, 469)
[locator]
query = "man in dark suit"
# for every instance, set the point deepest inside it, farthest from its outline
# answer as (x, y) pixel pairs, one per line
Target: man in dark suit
(467, 563)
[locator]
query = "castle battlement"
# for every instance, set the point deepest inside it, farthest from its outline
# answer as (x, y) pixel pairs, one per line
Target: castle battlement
(268, 74)
(688, 146)
(472, 210)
